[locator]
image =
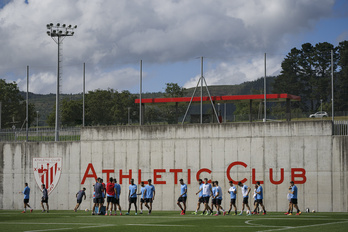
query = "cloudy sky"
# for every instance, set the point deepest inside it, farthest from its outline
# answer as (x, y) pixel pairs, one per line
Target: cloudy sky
(167, 35)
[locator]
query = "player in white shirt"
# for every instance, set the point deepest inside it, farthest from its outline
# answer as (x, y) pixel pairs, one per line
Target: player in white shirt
(288, 196)
(256, 207)
(233, 194)
(207, 192)
(245, 192)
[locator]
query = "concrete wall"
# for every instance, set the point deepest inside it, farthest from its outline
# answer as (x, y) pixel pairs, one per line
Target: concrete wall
(260, 146)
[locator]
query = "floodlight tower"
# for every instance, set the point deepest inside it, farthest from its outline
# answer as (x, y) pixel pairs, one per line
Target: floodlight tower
(58, 33)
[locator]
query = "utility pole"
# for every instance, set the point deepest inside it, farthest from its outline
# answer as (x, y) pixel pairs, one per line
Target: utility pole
(265, 93)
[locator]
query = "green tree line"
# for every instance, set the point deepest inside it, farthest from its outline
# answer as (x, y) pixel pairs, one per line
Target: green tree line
(102, 107)
(306, 72)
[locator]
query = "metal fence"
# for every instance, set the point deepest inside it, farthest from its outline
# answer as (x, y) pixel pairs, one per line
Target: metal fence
(40, 134)
(340, 128)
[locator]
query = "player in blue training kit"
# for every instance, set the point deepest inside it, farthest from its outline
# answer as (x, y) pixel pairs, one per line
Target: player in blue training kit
(183, 196)
(149, 195)
(233, 195)
(142, 199)
(44, 198)
(79, 196)
(213, 200)
(117, 196)
(132, 197)
(26, 193)
(259, 198)
(218, 199)
(200, 196)
(293, 194)
(245, 193)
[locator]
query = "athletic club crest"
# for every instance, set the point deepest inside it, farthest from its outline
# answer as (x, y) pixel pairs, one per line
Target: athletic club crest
(47, 171)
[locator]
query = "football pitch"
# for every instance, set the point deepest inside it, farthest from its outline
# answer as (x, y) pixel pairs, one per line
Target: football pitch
(62, 220)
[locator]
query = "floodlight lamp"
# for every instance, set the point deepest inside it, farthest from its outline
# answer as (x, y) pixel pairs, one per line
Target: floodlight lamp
(75, 26)
(58, 24)
(69, 26)
(49, 33)
(51, 24)
(72, 33)
(48, 26)
(63, 25)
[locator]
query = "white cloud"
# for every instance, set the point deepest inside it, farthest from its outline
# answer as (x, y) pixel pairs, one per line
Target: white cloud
(240, 71)
(124, 31)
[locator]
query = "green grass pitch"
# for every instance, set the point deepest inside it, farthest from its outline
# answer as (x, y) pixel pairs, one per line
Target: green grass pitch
(62, 220)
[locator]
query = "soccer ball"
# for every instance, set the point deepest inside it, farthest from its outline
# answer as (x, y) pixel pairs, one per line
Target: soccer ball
(313, 211)
(86, 210)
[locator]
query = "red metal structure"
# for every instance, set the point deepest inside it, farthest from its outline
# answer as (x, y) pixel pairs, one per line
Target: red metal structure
(283, 97)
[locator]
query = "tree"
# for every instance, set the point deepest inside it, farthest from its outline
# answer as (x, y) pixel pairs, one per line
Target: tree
(13, 106)
(71, 114)
(171, 112)
(174, 90)
(341, 83)
(306, 73)
(103, 107)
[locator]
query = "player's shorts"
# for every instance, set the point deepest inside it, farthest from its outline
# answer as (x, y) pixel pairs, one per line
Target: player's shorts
(233, 201)
(218, 201)
(110, 199)
(148, 200)
(142, 200)
(259, 201)
(116, 201)
(182, 199)
(26, 201)
(201, 200)
(103, 200)
(98, 200)
(44, 200)
(206, 199)
(79, 201)
(294, 201)
(94, 201)
(245, 200)
(213, 201)
(132, 200)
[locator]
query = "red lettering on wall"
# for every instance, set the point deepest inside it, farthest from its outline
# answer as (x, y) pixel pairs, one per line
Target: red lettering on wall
(108, 171)
(87, 175)
(188, 176)
(139, 178)
(203, 170)
(129, 176)
(229, 170)
(253, 174)
(158, 176)
(302, 175)
(175, 171)
(281, 176)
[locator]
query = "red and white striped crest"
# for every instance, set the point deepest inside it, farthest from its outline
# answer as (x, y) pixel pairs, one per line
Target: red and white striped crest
(47, 171)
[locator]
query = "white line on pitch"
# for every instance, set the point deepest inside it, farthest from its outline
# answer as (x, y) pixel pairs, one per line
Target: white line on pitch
(48, 230)
(154, 225)
(85, 227)
(296, 227)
